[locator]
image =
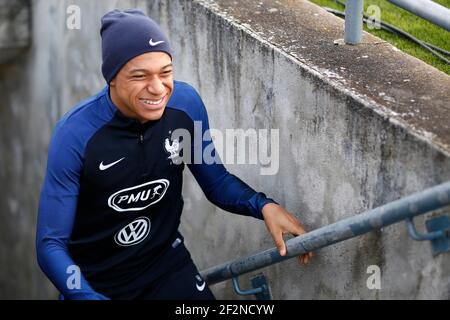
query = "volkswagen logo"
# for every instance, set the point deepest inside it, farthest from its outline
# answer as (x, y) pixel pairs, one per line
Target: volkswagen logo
(134, 232)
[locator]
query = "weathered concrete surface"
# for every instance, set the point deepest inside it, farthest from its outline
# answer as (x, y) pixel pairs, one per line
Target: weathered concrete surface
(14, 28)
(405, 88)
(345, 146)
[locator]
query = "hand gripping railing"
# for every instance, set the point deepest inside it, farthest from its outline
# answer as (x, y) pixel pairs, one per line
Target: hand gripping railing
(404, 209)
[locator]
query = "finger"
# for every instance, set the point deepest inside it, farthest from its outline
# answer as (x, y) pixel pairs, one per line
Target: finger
(279, 242)
(306, 258)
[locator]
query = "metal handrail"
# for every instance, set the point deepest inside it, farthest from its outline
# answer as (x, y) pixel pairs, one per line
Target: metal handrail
(426, 9)
(400, 210)
(438, 52)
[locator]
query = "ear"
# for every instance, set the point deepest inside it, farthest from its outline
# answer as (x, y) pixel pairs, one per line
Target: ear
(112, 83)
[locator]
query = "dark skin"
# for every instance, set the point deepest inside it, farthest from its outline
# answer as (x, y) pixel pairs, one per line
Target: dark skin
(141, 83)
(141, 91)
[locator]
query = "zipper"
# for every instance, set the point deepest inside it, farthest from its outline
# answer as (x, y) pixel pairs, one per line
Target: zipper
(142, 160)
(141, 131)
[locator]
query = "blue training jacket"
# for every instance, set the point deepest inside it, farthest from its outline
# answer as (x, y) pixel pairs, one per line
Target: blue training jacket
(111, 200)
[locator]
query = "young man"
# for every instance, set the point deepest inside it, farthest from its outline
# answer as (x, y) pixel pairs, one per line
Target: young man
(111, 201)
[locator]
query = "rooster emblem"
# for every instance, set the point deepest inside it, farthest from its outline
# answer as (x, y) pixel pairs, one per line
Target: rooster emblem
(172, 148)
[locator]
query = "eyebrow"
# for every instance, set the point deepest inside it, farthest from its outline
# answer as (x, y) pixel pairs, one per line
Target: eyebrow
(146, 71)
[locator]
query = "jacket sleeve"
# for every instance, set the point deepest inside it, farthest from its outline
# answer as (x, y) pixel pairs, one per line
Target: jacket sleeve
(222, 188)
(57, 208)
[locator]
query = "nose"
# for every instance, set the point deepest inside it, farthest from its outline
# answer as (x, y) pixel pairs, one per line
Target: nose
(155, 87)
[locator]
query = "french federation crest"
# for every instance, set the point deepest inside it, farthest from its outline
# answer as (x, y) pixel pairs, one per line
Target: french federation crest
(173, 148)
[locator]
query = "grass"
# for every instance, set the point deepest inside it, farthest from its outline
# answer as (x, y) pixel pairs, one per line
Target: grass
(416, 26)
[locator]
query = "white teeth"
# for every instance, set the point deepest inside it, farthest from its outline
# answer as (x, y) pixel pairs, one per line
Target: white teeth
(152, 102)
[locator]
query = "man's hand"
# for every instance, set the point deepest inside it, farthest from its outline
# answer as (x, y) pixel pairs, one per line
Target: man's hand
(278, 222)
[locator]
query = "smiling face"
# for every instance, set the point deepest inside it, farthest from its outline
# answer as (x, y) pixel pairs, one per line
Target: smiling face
(142, 88)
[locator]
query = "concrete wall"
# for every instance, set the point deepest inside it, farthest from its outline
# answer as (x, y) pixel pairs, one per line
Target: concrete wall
(339, 155)
(14, 28)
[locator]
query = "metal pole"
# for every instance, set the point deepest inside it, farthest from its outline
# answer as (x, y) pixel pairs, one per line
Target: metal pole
(429, 10)
(353, 21)
(399, 210)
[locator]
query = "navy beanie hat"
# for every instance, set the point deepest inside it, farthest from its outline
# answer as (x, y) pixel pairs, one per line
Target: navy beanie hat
(127, 34)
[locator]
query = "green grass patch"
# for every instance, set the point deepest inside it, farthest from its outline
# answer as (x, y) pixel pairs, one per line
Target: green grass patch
(416, 26)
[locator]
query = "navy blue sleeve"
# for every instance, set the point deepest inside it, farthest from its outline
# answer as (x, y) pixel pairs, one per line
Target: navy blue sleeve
(57, 210)
(222, 188)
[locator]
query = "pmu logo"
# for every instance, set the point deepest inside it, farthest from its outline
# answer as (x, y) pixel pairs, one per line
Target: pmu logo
(139, 197)
(134, 232)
